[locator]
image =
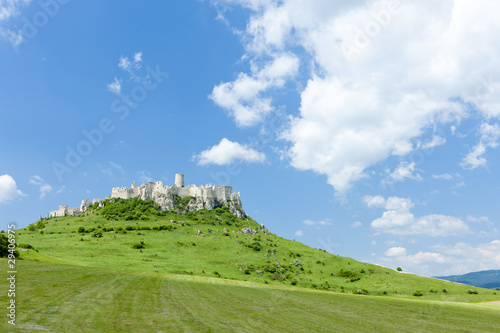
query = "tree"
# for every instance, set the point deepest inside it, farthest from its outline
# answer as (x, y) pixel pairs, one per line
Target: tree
(399, 269)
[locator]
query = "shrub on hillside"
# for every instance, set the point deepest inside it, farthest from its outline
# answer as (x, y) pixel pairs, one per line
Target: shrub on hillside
(256, 246)
(348, 274)
(140, 245)
(27, 246)
(4, 247)
(417, 293)
(362, 292)
(470, 291)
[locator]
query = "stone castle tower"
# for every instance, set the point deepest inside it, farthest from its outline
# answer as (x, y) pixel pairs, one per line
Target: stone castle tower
(179, 180)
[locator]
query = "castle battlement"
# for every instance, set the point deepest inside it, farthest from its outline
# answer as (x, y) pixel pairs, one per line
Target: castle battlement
(204, 197)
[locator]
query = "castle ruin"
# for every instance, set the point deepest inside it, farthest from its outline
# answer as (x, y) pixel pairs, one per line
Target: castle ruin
(203, 197)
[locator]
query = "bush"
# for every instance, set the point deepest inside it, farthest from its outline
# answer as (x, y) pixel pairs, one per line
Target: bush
(470, 291)
(97, 234)
(81, 230)
(362, 292)
(417, 293)
(140, 245)
(294, 282)
(256, 246)
(4, 247)
(399, 269)
(26, 246)
(348, 274)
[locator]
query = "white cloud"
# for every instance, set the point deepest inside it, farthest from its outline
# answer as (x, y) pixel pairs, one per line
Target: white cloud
(299, 233)
(8, 189)
(117, 167)
(109, 170)
(243, 98)
(356, 224)
(489, 139)
(405, 170)
(129, 66)
(44, 188)
(449, 260)
(398, 220)
(319, 223)
(395, 252)
(445, 176)
(375, 201)
(435, 142)
(478, 219)
(138, 59)
(115, 87)
(145, 176)
(227, 152)
(15, 38)
(10, 8)
(373, 87)
(61, 189)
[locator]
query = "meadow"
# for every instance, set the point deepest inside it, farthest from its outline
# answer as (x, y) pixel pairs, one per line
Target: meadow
(131, 268)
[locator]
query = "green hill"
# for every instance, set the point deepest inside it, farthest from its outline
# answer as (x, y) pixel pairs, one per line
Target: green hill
(484, 279)
(159, 271)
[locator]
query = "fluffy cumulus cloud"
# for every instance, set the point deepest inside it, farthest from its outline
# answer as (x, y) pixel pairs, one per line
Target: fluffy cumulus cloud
(443, 260)
(403, 171)
(227, 152)
(397, 219)
(43, 187)
(395, 252)
(115, 87)
(381, 73)
(489, 139)
(8, 189)
(243, 98)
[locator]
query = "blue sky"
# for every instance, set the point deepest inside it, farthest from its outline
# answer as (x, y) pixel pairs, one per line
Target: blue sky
(366, 128)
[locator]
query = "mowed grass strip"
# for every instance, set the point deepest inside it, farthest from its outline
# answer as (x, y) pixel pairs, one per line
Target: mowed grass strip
(65, 298)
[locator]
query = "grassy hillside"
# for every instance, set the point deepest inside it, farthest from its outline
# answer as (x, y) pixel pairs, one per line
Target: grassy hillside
(483, 279)
(67, 298)
(132, 235)
(129, 268)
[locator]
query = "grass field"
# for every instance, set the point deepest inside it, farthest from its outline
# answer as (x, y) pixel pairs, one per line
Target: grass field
(65, 298)
(200, 272)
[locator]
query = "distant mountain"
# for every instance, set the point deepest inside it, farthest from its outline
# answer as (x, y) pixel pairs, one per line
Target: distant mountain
(484, 279)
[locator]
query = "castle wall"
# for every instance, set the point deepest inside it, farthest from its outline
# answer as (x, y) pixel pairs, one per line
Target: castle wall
(208, 196)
